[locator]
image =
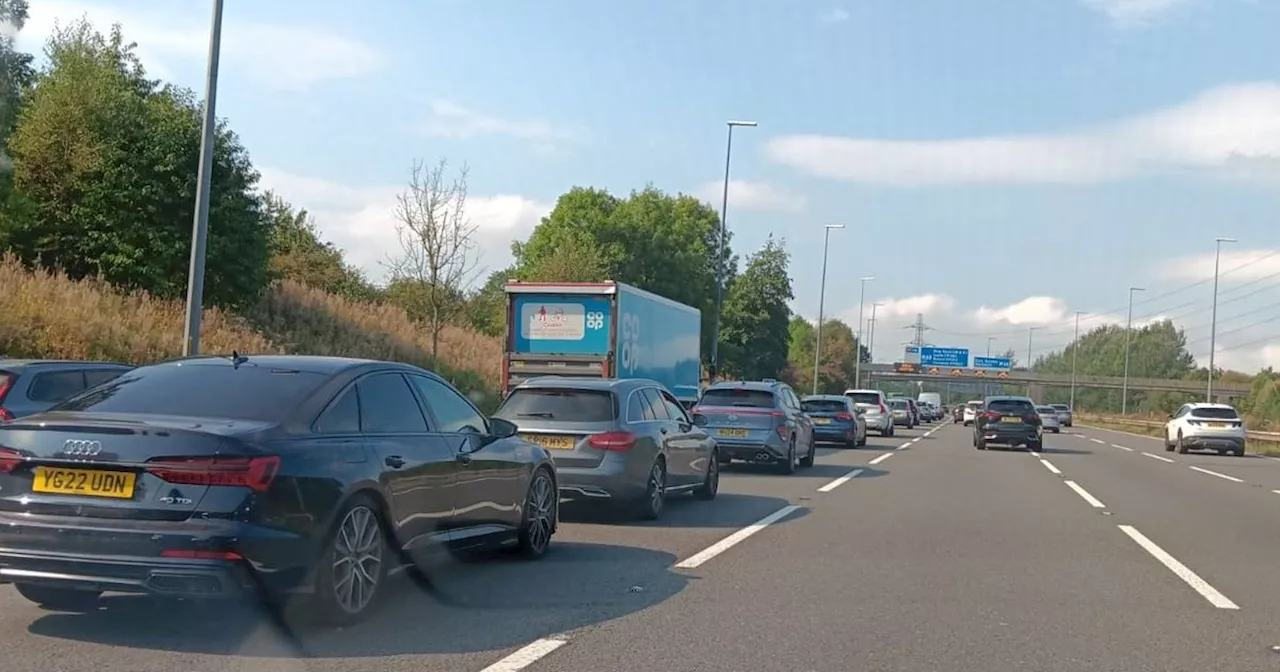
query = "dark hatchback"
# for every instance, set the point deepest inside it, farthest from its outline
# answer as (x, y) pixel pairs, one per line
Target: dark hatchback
(1008, 421)
(297, 480)
(836, 419)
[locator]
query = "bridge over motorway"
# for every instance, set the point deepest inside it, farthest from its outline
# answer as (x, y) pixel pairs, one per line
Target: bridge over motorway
(1043, 380)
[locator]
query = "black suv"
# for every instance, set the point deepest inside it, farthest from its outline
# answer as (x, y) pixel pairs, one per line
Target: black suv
(1008, 421)
(759, 421)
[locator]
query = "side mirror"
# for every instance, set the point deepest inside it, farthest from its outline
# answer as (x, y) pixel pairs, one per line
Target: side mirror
(700, 420)
(502, 429)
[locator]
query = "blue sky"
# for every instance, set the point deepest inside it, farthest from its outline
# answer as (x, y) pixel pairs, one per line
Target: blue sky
(998, 164)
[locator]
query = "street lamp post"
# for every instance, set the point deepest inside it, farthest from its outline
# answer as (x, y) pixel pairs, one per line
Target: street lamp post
(724, 211)
(204, 179)
(989, 340)
(1030, 332)
(871, 334)
(1128, 328)
(1075, 352)
(1213, 321)
(822, 294)
(857, 357)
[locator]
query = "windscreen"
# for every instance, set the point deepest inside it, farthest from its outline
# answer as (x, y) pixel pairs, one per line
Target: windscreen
(824, 406)
(1061, 407)
(1046, 409)
(559, 404)
(244, 392)
(868, 398)
(738, 397)
(1011, 407)
(974, 404)
(898, 403)
(1215, 413)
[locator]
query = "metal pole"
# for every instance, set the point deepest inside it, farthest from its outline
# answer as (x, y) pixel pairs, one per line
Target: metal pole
(1128, 327)
(1030, 331)
(724, 213)
(822, 293)
(857, 359)
(1075, 352)
(871, 335)
(989, 340)
(1213, 322)
(204, 179)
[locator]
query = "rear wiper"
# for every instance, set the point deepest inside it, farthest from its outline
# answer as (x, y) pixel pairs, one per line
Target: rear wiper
(543, 414)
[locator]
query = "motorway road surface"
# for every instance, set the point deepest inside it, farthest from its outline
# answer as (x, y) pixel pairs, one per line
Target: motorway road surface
(1102, 553)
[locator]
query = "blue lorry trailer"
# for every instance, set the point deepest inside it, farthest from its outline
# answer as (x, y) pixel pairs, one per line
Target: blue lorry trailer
(601, 330)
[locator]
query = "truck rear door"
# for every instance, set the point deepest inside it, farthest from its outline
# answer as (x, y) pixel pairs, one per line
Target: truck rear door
(552, 334)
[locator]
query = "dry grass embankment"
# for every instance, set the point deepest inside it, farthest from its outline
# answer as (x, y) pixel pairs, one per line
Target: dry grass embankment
(47, 314)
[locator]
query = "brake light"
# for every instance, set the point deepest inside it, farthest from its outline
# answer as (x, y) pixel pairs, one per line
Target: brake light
(990, 415)
(9, 460)
(784, 432)
(844, 416)
(1031, 419)
(5, 416)
(6, 382)
(612, 441)
(255, 473)
(884, 410)
(201, 555)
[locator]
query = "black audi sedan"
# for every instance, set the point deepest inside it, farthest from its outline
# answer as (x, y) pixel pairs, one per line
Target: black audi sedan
(286, 478)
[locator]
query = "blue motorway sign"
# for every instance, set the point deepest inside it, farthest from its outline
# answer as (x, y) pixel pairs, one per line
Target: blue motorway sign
(951, 357)
(998, 363)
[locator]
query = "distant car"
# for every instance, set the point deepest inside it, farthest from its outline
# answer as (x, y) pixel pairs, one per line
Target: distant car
(901, 409)
(30, 386)
(628, 443)
(282, 478)
(759, 422)
(1205, 427)
(1008, 421)
(971, 411)
(1049, 419)
(875, 410)
(836, 419)
(916, 414)
(957, 414)
(1064, 414)
(933, 399)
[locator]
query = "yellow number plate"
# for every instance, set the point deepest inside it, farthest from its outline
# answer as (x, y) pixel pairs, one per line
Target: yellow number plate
(735, 433)
(89, 482)
(552, 442)
(1010, 419)
(822, 421)
(1218, 425)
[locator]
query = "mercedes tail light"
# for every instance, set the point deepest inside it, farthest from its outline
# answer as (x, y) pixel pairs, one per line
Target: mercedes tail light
(612, 441)
(255, 473)
(9, 460)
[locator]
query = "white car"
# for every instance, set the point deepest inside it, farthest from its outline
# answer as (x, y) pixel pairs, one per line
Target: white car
(971, 411)
(875, 410)
(1049, 419)
(1205, 427)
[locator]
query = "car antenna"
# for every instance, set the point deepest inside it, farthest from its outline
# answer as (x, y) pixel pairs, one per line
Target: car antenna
(237, 359)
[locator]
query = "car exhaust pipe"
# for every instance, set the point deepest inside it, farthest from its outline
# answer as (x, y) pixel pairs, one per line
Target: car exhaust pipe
(763, 456)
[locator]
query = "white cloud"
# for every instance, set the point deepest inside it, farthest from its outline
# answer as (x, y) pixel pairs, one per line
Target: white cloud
(361, 219)
(291, 57)
(1031, 311)
(924, 304)
(749, 195)
(1228, 131)
(1130, 13)
(1245, 359)
(451, 120)
(836, 15)
(1235, 266)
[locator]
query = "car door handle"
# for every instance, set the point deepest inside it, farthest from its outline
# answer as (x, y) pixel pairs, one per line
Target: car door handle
(394, 461)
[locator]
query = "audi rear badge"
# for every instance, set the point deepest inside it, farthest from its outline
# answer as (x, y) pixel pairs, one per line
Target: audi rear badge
(81, 447)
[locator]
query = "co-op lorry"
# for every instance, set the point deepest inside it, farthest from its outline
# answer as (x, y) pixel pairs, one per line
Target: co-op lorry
(601, 330)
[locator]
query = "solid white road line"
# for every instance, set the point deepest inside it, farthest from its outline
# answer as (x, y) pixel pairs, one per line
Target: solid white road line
(736, 538)
(1162, 458)
(526, 656)
(880, 459)
(1233, 479)
(1198, 584)
(1097, 441)
(1127, 448)
(840, 481)
(1049, 465)
(1084, 494)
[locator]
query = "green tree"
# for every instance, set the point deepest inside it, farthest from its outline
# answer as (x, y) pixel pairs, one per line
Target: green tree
(106, 162)
(16, 73)
(836, 371)
(299, 253)
(757, 321)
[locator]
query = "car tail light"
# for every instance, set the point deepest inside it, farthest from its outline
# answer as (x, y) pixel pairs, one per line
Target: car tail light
(255, 473)
(612, 441)
(9, 460)
(844, 416)
(1031, 419)
(200, 555)
(784, 432)
(5, 416)
(6, 382)
(884, 410)
(990, 415)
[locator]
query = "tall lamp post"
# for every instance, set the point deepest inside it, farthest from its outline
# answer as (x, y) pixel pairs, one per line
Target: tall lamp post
(857, 358)
(724, 211)
(204, 179)
(822, 294)
(1213, 321)
(1075, 352)
(1030, 331)
(1128, 327)
(871, 334)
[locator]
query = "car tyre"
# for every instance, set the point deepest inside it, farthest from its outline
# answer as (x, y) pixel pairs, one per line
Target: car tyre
(980, 443)
(1035, 446)
(655, 492)
(789, 466)
(1056, 430)
(809, 457)
(358, 543)
(1180, 444)
(60, 599)
(711, 484)
(541, 511)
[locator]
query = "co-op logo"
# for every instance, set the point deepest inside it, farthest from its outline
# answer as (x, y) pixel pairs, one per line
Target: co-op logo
(629, 355)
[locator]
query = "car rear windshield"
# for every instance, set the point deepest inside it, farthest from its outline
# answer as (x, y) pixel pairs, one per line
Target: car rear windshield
(869, 398)
(1011, 406)
(1215, 413)
(245, 392)
(974, 404)
(824, 406)
(731, 397)
(1061, 407)
(559, 404)
(898, 403)
(1047, 409)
